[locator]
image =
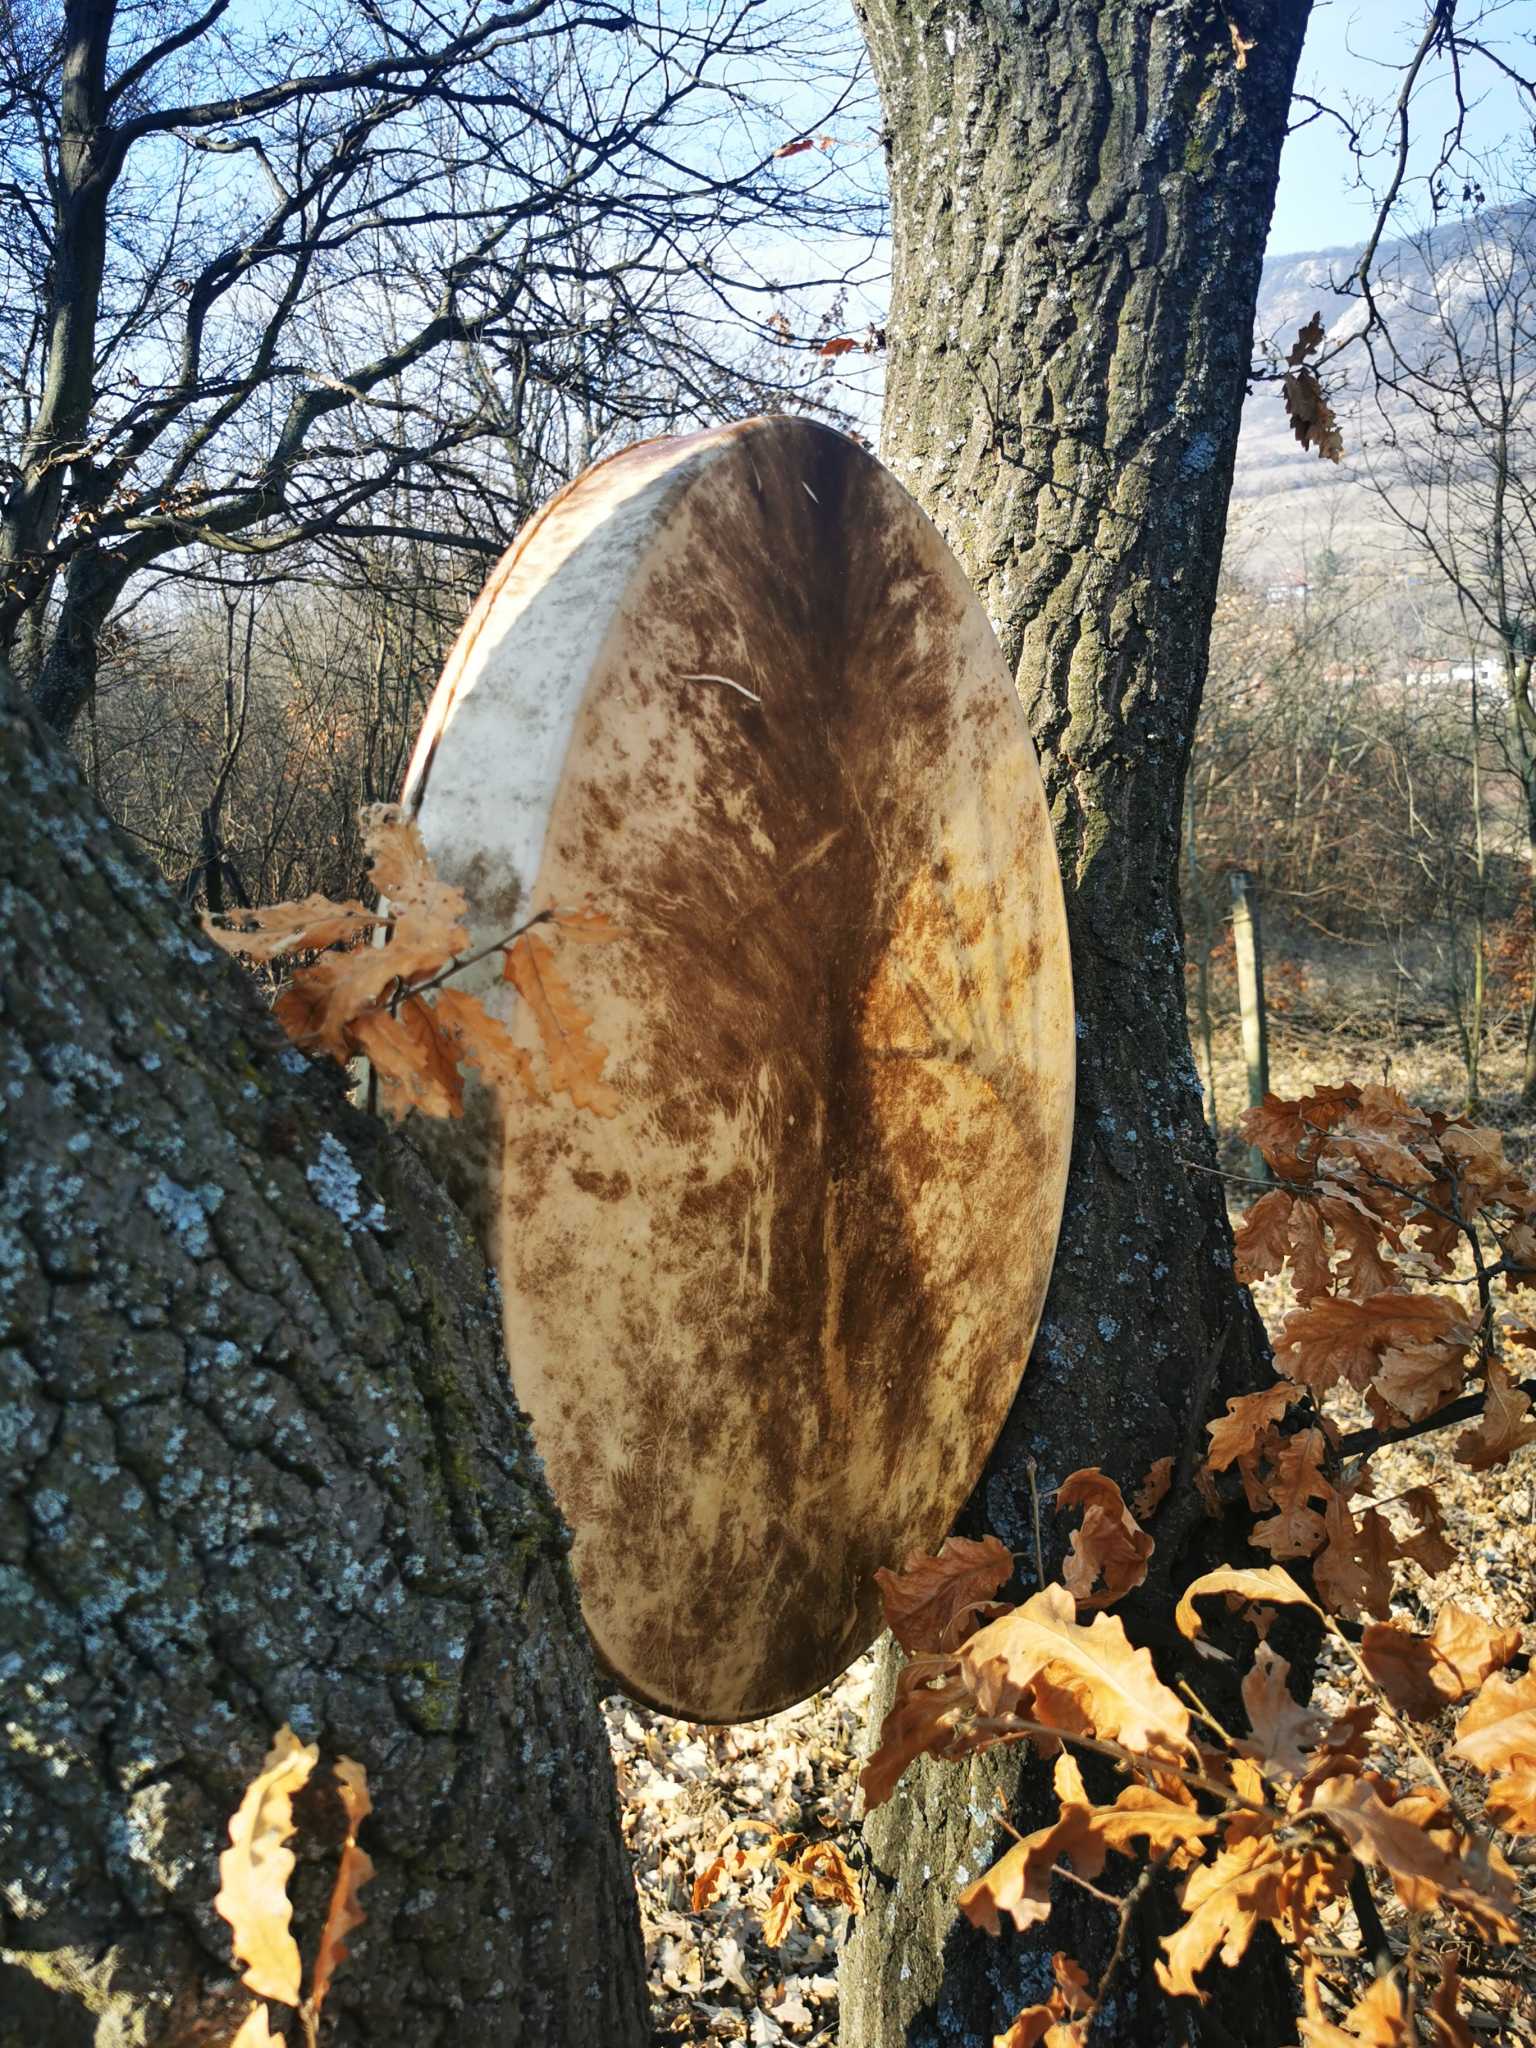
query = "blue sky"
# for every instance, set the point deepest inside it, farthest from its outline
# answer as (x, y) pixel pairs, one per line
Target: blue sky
(1353, 52)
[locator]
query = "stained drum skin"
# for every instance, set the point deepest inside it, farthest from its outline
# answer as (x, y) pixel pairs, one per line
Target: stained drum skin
(768, 1319)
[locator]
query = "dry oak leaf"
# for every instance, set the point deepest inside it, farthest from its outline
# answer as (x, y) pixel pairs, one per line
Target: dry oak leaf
(1224, 1901)
(1019, 1883)
(345, 1913)
(254, 1870)
(1110, 1550)
(1505, 1426)
(1243, 1582)
(1153, 1490)
(1413, 1380)
(1379, 2020)
(1295, 1478)
(414, 1065)
(1262, 1238)
(1427, 1548)
(480, 1040)
(1512, 1800)
(1354, 1573)
(1289, 1133)
(931, 1701)
(308, 926)
(1447, 2028)
(1364, 1269)
(1425, 1875)
(591, 926)
(1308, 338)
(1284, 1731)
(930, 1600)
(1421, 1674)
(256, 2031)
(1087, 1680)
(1248, 1416)
(1337, 1339)
(1498, 1730)
(575, 1058)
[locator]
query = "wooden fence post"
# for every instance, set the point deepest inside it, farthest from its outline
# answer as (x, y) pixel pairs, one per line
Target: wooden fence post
(1249, 947)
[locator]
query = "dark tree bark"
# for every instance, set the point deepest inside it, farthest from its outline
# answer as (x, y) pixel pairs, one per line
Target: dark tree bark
(262, 1464)
(1081, 195)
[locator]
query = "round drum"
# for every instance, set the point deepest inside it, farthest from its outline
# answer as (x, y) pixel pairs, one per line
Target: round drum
(768, 1316)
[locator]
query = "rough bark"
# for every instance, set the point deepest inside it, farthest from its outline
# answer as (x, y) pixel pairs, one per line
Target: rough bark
(263, 1465)
(1081, 194)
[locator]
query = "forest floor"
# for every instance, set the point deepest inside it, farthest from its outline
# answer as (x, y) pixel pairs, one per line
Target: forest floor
(687, 1790)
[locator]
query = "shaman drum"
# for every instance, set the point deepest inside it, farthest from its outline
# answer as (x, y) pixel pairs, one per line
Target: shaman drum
(767, 1318)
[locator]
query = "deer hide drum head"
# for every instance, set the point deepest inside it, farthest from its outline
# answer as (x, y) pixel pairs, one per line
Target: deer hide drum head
(768, 1318)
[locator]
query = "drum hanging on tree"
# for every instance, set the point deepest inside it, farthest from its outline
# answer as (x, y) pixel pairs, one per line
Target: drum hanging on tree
(768, 1315)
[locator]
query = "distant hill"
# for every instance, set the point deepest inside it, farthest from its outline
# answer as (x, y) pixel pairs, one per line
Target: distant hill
(1287, 504)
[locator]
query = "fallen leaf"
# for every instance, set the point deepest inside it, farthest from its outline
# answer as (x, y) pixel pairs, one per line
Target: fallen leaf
(254, 1870)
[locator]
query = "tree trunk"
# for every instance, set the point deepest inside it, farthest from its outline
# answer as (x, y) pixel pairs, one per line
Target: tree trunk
(1081, 195)
(263, 1464)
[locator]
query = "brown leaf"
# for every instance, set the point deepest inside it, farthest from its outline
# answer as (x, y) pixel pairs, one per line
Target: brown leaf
(1262, 1238)
(306, 927)
(1506, 1424)
(929, 1603)
(1353, 1574)
(1295, 1478)
(483, 1041)
(1109, 1552)
(840, 345)
(1364, 1269)
(1308, 340)
(1312, 418)
(575, 1058)
(1421, 1674)
(1244, 1582)
(1447, 2028)
(1378, 2020)
(1153, 1490)
(256, 2032)
(1498, 1730)
(415, 1066)
(1289, 1133)
(825, 1868)
(1224, 1901)
(1413, 1380)
(794, 148)
(931, 1699)
(1427, 1548)
(1424, 1875)
(1284, 1731)
(782, 1910)
(1236, 1433)
(345, 1913)
(1338, 1339)
(1041, 1661)
(254, 1870)
(1512, 1800)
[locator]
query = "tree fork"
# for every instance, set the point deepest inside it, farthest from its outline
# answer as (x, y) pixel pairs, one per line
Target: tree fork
(264, 1464)
(1081, 195)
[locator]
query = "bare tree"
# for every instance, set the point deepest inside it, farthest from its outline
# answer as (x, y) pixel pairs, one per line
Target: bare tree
(279, 281)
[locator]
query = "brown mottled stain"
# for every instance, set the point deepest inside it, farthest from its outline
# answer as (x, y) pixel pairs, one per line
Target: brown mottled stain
(769, 1318)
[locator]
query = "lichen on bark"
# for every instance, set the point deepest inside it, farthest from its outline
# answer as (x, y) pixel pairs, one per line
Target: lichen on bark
(262, 1464)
